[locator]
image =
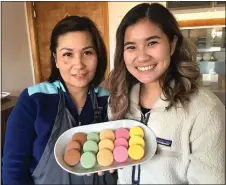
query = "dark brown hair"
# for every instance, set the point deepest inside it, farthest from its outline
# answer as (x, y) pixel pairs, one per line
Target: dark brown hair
(183, 69)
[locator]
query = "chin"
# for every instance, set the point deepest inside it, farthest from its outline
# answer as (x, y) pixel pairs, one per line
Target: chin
(146, 80)
(79, 84)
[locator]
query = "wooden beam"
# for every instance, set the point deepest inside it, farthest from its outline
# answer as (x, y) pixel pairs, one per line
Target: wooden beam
(106, 37)
(33, 41)
(202, 22)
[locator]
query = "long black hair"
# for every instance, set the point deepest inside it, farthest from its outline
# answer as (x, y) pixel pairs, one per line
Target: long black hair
(77, 23)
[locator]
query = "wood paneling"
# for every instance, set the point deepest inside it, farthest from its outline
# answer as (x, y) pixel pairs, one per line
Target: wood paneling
(33, 41)
(49, 13)
(202, 22)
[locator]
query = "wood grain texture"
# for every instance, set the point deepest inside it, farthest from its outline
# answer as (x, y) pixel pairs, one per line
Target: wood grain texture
(106, 36)
(202, 22)
(33, 41)
(49, 13)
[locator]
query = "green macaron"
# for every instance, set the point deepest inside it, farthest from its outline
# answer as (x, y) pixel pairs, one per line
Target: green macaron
(93, 136)
(88, 160)
(90, 146)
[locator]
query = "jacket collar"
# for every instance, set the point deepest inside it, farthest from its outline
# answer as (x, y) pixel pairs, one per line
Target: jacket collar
(159, 105)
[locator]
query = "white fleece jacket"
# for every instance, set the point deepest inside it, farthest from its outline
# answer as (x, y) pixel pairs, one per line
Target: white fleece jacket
(197, 152)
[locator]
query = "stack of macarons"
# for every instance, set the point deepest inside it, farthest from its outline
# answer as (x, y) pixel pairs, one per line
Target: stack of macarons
(90, 149)
(136, 143)
(105, 147)
(73, 149)
(121, 145)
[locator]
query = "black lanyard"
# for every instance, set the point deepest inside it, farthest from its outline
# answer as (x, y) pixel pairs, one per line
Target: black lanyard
(96, 108)
(136, 181)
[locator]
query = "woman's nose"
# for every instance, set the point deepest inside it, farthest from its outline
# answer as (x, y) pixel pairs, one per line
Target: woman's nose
(142, 55)
(78, 62)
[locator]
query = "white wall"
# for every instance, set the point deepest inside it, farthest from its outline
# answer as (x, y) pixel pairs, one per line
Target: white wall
(16, 57)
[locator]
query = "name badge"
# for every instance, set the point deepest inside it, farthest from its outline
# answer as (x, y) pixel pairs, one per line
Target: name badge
(164, 142)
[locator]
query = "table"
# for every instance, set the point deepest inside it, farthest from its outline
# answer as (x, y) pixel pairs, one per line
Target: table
(7, 105)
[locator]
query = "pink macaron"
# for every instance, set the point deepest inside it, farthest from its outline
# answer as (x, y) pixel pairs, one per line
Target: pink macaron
(120, 154)
(122, 133)
(121, 142)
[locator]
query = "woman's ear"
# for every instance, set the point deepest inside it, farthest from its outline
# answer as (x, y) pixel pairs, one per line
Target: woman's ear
(173, 45)
(54, 56)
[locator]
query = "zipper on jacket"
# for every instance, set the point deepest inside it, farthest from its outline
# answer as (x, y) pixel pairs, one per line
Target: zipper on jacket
(136, 169)
(144, 119)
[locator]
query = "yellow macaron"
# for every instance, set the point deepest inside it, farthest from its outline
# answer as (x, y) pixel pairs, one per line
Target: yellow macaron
(136, 131)
(136, 140)
(136, 152)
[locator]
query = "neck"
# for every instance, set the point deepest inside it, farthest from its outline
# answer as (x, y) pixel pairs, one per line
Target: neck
(78, 95)
(149, 93)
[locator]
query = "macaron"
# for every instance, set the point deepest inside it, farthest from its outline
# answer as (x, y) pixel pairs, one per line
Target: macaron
(136, 131)
(107, 134)
(105, 157)
(73, 145)
(122, 133)
(121, 142)
(120, 154)
(93, 136)
(88, 160)
(80, 137)
(90, 146)
(136, 140)
(136, 152)
(107, 144)
(72, 157)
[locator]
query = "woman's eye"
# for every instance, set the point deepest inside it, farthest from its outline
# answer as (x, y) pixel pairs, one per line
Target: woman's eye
(88, 53)
(130, 47)
(152, 43)
(67, 54)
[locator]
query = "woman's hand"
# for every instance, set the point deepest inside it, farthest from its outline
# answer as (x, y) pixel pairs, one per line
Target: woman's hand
(101, 173)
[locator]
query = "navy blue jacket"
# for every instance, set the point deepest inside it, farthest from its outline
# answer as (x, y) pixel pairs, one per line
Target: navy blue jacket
(30, 123)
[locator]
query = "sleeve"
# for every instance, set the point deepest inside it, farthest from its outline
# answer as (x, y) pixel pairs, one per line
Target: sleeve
(20, 133)
(207, 144)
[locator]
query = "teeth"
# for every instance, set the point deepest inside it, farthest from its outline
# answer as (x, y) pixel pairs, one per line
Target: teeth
(146, 68)
(78, 75)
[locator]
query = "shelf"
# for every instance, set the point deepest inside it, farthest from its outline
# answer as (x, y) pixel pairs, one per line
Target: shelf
(210, 61)
(213, 49)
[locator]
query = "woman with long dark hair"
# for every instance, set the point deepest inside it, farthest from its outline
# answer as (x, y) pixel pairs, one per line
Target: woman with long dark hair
(69, 98)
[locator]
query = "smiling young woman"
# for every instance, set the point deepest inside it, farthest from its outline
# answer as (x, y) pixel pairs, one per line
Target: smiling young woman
(155, 80)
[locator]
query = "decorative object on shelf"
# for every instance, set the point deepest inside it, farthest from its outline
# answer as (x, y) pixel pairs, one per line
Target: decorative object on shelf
(206, 56)
(199, 57)
(213, 57)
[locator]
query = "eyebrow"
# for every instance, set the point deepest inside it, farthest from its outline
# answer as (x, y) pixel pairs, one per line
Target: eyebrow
(147, 39)
(70, 49)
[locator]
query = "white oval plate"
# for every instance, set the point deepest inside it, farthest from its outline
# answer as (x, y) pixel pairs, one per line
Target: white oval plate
(65, 138)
